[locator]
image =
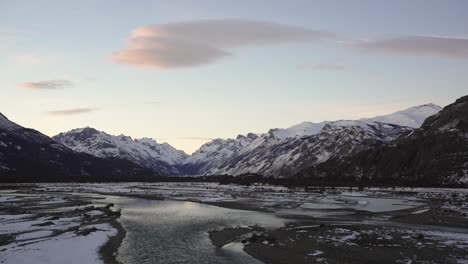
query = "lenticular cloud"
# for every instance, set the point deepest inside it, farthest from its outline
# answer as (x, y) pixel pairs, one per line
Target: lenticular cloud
(194, 43)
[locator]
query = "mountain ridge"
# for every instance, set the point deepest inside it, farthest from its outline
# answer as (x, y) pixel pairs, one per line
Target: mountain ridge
(278, 152)
(27, 155)
(436, 154)
(145, 152)
(226, 153)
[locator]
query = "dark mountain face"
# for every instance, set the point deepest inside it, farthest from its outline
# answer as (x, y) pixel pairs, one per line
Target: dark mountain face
(26, 155)
(434, 155)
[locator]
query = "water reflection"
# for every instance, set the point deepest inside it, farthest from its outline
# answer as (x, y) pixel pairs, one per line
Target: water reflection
(177, 232)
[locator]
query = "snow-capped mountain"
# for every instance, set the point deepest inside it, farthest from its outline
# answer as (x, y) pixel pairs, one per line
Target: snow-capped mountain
(282, 151)
(435, 154)
(27, 155)
(145, 151)
(277, 152)
(411, 117)
(299, 130)
(336, 139)
(214, 153)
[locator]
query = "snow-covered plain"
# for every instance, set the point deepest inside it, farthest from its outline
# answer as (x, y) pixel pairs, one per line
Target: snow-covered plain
(72, 236)
(65, 248)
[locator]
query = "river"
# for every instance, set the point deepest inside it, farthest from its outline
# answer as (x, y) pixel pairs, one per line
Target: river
(177, 232)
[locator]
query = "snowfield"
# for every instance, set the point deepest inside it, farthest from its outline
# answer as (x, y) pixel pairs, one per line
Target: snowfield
(65, 248)
(57, 232)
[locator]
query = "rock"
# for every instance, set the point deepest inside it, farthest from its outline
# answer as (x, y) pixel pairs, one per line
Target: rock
(86, 232)
(48, 223)
(109, 206)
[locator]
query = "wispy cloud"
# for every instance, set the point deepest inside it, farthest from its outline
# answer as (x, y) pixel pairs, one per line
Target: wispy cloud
(321, 67)
(456, 47)
(46, 85)
(199, 42)
(73, 111)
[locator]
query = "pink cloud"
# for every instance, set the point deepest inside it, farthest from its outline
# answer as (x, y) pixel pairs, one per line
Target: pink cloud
(73, 111)
(456, 47)
(45, 85)
(199, 42)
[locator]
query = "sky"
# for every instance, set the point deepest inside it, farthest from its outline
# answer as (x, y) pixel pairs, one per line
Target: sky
(185, 72)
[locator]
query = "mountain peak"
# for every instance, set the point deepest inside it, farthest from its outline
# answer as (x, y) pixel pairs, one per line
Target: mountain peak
(147, 140)
(410, 117)
(430, 105)
(252, 136)
(80, 133)
(145, 152)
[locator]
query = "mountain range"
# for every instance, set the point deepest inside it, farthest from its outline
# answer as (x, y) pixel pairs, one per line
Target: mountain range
(146, 152)
(307, 150)
(436, 154)
(280, 152)
(28, 155)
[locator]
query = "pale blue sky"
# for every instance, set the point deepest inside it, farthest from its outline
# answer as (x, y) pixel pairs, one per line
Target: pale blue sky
(256, 88)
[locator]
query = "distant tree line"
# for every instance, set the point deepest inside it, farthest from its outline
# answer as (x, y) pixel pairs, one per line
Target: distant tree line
(244, 179)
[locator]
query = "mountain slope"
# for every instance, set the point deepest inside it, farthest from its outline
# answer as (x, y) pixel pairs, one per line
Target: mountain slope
(145, 152)
(411, 117)
(434, 155)
(28, 155)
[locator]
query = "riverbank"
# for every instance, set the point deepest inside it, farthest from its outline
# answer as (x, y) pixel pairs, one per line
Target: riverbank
(109, 250)
(434, 233)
